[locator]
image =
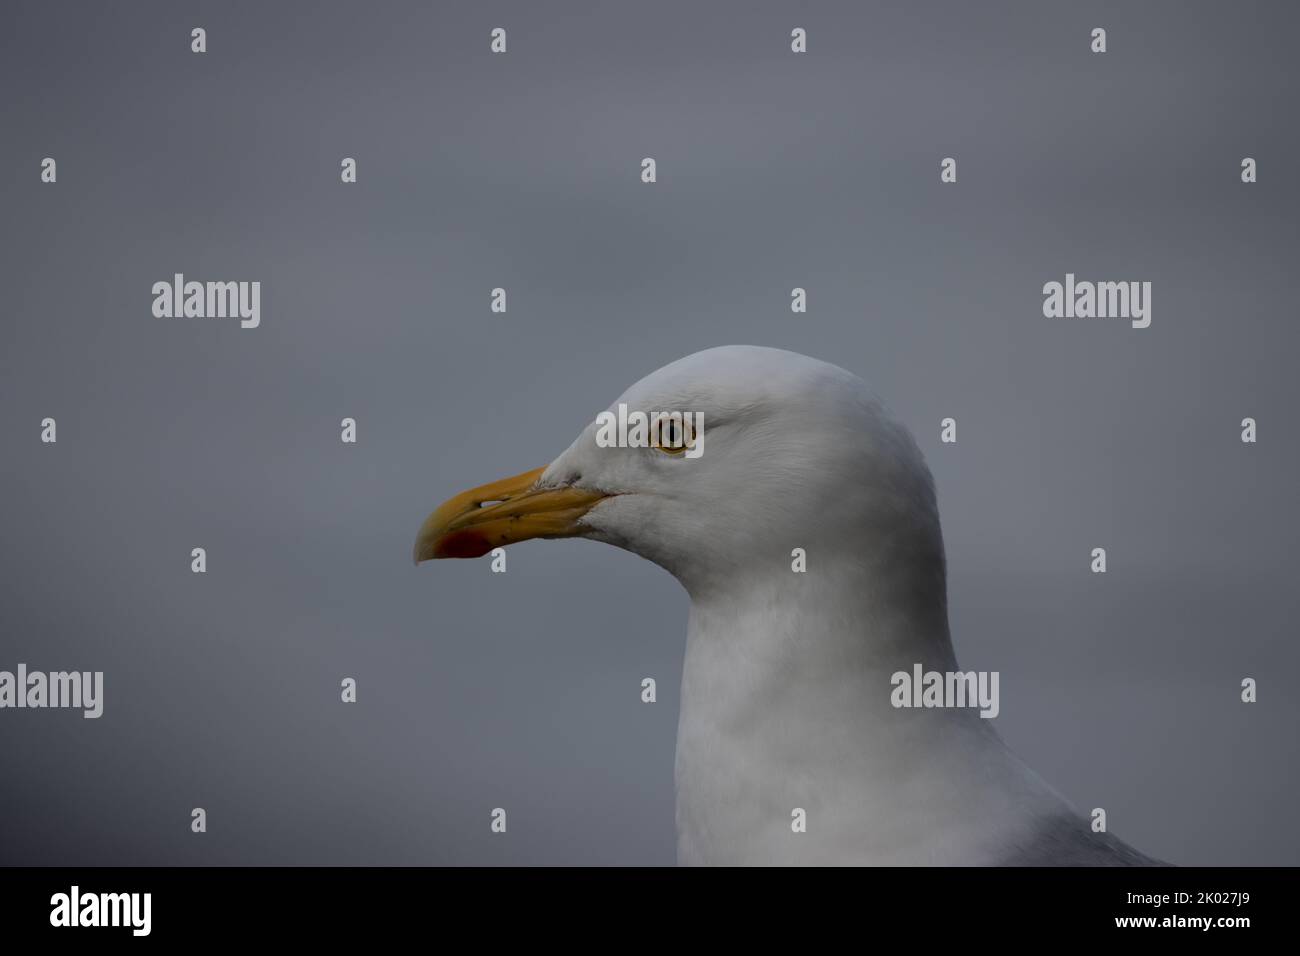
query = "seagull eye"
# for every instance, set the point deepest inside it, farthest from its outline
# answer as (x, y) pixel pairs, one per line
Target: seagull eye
(673, 436)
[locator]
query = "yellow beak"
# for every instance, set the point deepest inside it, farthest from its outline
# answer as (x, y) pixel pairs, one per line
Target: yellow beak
(503, 512)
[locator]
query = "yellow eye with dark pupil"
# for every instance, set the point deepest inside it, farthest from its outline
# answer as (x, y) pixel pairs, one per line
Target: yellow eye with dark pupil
(672, 437)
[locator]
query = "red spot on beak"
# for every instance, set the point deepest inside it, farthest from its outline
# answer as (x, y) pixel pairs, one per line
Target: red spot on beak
(462, 544)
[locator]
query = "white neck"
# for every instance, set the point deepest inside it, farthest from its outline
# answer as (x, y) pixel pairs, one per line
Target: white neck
(785, 704)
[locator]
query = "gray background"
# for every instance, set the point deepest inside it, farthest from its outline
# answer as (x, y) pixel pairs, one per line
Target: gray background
(521, 690)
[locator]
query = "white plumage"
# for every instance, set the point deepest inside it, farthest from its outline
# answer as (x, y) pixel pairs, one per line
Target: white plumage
(785, 698)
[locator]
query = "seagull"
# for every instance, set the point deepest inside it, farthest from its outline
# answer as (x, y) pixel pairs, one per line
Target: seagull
(791, 749)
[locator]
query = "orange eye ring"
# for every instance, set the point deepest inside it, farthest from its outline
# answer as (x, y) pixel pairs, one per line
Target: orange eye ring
(673, 434)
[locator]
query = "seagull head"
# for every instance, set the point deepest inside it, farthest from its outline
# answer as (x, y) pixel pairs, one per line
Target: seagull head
(770, 451)
(787, 693)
